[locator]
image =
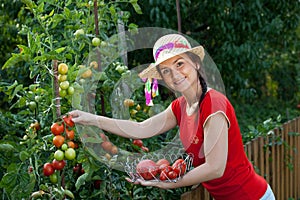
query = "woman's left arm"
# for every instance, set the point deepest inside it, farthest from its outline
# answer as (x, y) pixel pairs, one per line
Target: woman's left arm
(215, 150)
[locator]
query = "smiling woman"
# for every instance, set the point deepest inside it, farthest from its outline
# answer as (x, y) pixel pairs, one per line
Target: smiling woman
(207, 122)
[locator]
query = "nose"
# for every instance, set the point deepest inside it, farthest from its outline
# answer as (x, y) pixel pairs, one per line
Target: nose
(175, 74)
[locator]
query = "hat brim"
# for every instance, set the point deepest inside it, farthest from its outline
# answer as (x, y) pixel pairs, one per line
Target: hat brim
(151, 71)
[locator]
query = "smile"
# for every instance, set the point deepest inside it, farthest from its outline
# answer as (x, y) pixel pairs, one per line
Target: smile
(179, 81)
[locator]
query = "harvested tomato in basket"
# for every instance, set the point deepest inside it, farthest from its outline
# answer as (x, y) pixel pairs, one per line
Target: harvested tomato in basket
(179, 166)
(147, 169)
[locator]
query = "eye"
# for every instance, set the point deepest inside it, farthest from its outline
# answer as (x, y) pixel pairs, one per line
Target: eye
(165, 71)
(179, 64)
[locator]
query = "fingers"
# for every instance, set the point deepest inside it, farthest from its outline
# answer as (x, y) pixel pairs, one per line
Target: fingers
(74, 113)
(136, 182)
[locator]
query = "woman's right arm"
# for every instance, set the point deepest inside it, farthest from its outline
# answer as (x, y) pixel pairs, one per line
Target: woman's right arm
(155, 125)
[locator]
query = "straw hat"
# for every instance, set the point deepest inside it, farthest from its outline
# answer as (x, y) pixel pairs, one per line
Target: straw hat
(166, 47)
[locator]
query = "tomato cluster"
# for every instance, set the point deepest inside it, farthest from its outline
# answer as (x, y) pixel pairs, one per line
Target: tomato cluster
(162, 169)
(139, 144)
(108, 146)
(64, 85)
(63, 140)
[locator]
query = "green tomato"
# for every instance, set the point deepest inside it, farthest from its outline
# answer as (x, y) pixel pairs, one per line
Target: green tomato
(59, 155)
(81, 81)
(64, 85)
(64, 147)
(62, 93)
(96, 42)
(103, 43)
(62, 77)
(33, 87)
(79, 32)
(70, 154)
(37, 98)
(120, 69)
(32, 105)
(71, 90)
(63, 68)
(53, 178)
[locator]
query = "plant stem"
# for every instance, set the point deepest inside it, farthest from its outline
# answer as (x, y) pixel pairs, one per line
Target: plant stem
(56, 89)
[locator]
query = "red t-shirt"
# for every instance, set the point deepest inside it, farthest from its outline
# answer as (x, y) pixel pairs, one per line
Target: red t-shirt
(239, 181)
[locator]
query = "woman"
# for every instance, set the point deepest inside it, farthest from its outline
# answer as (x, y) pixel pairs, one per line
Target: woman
(207, 123)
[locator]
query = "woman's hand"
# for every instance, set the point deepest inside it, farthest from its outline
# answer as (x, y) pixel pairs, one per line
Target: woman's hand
(158, 184)
(84, 118)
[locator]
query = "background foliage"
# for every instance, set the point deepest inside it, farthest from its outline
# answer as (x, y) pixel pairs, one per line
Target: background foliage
(255, 45)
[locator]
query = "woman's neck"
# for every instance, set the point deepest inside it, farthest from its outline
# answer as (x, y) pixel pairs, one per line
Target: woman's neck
(192, 95)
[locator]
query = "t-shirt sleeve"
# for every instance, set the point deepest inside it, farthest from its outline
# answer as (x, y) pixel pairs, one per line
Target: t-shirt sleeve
(212, 104)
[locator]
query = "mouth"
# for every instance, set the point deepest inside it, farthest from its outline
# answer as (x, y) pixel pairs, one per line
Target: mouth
(179, 81)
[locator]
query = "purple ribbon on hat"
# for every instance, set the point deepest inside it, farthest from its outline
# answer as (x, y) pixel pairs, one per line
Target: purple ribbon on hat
(171, 45)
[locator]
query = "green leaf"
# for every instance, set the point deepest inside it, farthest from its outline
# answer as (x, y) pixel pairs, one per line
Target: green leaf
(51, 13)
(69, 194)
(59, 50)
(16, 90)
(40, 7)
(136, 7)
(112, 10)
(6, 147)
(15, 59)
(8, 181)
(67, 13)
(25, 49)
(81, 180)
(11, 87)
(29, 3)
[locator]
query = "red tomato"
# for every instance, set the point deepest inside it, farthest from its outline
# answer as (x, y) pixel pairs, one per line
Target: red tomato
(103, 137)
(57, 128)
(138, 143)
(58, 140)
(77, 168)
(164, 172)
(172, 175)
(97, 184)
(179, 166)
(58, 165)
(48, 169)
(147, 169)
(163, 166)
(162, 161)
(167, 169)
(70, 134)
(68, 120)
(163, 176)
(145, 149)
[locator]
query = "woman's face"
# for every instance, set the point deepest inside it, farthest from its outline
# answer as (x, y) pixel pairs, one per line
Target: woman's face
(179, 73)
